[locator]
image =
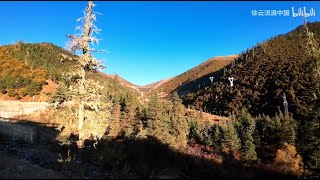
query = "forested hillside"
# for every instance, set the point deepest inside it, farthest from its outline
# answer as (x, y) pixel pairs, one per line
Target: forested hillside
(279, 74)
(262, 74)
(25, 67)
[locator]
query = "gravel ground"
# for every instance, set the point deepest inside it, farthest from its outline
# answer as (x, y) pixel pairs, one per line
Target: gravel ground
(14, 168)
(22, 160)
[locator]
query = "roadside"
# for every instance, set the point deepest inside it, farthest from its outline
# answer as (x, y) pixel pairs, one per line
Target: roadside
(14, 168)
(22, 160)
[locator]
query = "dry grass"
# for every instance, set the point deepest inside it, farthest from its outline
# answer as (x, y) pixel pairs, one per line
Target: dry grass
(65, 121)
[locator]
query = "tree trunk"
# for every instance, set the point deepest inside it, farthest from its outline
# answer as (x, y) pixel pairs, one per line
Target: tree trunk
(80, 123)
(81, 107)
(82, 82)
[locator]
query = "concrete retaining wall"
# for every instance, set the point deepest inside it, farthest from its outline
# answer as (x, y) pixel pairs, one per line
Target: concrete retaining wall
(18, 131)
(9, 109)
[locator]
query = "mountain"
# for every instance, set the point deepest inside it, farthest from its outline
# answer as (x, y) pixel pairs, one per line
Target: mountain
(263, 74)
(121, 80)
(157, 84)
(186, 81)
(28, 70)
(151, 87)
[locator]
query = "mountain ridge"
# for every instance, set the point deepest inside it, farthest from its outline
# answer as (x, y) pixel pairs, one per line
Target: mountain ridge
(34, 69)
(262, 75)
(207, 67)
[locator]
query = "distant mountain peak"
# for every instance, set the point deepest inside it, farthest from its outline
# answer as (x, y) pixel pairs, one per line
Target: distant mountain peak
(231, 55)
(207, 67)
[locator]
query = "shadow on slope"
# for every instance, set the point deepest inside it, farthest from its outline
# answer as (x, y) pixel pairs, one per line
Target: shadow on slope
(126, 158)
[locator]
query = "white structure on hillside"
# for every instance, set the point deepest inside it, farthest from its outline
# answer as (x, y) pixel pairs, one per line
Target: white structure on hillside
(285, 104)
(231, 81)
(211, 79)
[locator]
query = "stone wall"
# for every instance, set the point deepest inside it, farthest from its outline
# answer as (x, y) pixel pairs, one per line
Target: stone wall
(9, 109)
(18, 131)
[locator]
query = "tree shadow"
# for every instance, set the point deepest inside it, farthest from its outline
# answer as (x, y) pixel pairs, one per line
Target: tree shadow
(45, 133)
(130, 158)
(150, 158)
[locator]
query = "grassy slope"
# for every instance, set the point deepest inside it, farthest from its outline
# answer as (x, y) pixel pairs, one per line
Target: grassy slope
(188, 80)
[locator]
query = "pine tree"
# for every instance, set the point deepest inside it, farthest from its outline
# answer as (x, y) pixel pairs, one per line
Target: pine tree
(195, 129)
(246, 127)
(264, 132)
(257, 139)
(129, 116)
(217, 135)
(262, 129)
(310, 44)
(287, 129)
(116, 125)
(157, 124)
(138, 130)
(249, 149)
(206, 134)
(178, 121)
(154, 110)
(310, 129)
(312, 148)
(230, 139)
(275, 128)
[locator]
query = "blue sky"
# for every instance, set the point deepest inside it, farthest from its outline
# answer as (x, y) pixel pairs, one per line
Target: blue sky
(149, 41)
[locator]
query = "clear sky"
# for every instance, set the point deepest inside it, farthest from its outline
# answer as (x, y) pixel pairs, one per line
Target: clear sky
(150, 41)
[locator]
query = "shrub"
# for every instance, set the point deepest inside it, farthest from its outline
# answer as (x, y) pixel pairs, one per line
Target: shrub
(3, 91)
(23, 92)
(12, 93)
(288, 161)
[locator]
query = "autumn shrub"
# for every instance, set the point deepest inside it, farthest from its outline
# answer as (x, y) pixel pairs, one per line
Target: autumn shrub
(3, 91)
(18, 97)
(12, 93)
(34, 88)
(23, 91)
(288, 161)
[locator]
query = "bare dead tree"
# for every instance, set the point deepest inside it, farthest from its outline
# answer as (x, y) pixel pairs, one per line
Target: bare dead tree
(312, 47)
(85, 92)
